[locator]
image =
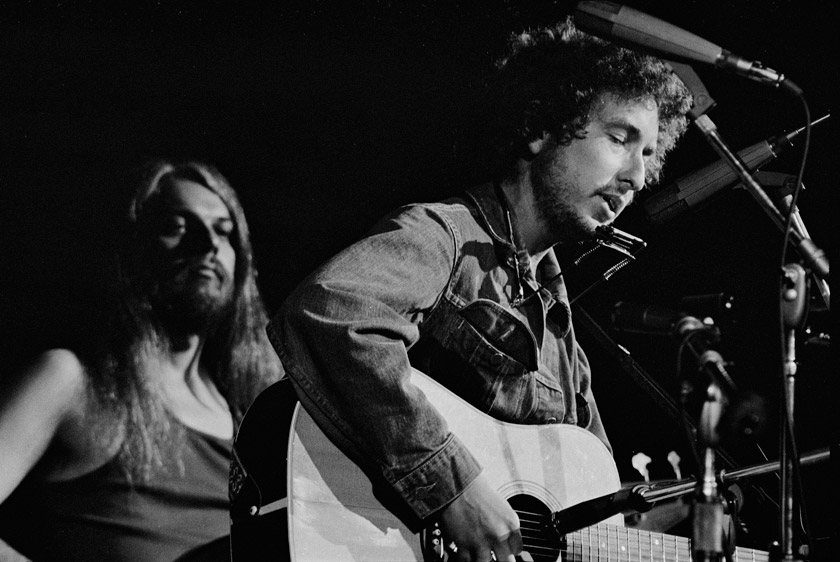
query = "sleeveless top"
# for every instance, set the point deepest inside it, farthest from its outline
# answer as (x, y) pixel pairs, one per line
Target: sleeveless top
(101, 516)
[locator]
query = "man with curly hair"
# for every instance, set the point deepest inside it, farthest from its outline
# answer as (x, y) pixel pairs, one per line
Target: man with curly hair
(119, 448)
(466, 290)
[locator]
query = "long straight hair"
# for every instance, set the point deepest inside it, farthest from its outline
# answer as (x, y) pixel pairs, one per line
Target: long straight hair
(237, 354)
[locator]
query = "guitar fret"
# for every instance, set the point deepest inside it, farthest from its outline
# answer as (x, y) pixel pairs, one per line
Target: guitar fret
(629, 544)
(610, 542)
(750, 555)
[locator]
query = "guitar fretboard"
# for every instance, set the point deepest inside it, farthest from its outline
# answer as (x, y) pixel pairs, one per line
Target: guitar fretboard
(611, 543)
(607, 543)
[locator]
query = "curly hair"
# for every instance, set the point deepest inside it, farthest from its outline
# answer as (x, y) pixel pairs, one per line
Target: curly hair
(550, 79)
(238, 355)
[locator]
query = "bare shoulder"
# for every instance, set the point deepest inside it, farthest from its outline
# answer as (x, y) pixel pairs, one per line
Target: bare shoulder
(48, 395)
(56, 376)
(62, 376)
(62, 362)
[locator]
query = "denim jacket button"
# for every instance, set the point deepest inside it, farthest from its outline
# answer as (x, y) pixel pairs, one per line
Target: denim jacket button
(496, 359)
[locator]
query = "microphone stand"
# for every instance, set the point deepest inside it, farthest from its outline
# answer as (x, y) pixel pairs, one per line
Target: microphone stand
(794, 295)
(707, 509)
(810, 253)
(642, 497)
(708, 505)
(793, 312)
(784, 185)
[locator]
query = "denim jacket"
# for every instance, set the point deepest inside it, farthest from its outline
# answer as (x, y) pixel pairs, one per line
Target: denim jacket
(431, 286)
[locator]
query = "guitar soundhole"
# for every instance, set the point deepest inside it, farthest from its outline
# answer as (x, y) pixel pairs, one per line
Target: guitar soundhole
(539, 540)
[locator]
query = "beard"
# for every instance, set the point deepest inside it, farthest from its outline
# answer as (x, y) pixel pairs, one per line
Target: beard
(551, 185)
(189, 303)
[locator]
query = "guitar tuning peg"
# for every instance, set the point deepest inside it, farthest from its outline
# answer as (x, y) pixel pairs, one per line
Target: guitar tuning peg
(640, 462)
(674, 459)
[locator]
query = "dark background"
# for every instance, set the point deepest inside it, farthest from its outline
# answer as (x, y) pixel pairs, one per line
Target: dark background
(325, 116)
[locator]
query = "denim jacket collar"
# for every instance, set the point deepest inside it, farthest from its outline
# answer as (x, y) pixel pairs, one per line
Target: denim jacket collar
(491, 212)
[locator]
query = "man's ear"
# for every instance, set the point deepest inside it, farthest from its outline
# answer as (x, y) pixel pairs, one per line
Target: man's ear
(535, 146)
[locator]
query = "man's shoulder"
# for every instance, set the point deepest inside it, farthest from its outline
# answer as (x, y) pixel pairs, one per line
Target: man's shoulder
(57, 377)
(63, 381)
(455, 203)
(45, 402)
(59, 365)
(452, 210)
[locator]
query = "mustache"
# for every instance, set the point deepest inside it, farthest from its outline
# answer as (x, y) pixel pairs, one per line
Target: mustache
(188, 267)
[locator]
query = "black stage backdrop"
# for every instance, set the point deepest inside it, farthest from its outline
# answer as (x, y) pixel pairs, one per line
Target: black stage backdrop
(324, 115)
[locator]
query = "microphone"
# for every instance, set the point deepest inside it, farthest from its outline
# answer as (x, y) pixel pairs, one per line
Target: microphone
(648, 319)
(636, 29)
(713, 363)
(695, 188)
(591, 512)
(641, 319)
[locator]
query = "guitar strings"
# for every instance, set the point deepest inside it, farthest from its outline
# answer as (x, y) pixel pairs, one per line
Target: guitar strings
(602, 542)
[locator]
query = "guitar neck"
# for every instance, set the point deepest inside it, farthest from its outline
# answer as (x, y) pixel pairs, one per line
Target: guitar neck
(605, 543)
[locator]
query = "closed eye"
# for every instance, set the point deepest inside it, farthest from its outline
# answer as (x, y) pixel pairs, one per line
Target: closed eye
(224, 228)
(172, 226)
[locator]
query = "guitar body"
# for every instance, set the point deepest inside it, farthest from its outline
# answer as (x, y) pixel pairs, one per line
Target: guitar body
(329, 512)
(258, 487)
(333, 515)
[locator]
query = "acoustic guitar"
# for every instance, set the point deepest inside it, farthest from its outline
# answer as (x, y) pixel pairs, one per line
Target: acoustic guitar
(314, 504)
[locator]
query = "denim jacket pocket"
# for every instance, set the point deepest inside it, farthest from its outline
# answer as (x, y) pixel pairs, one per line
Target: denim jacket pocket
(503, 331)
